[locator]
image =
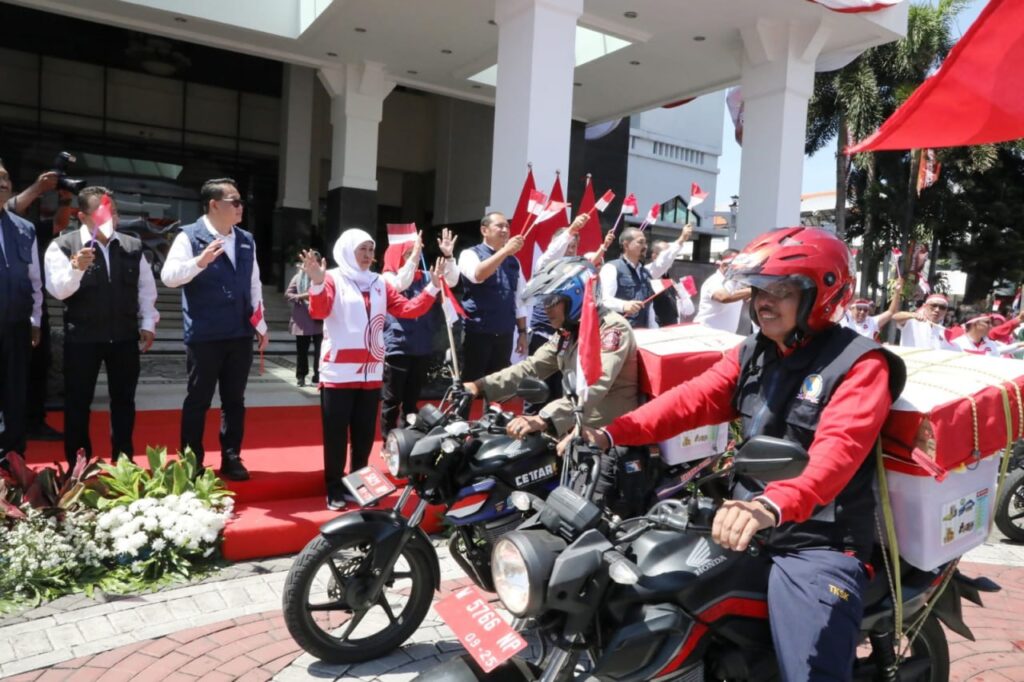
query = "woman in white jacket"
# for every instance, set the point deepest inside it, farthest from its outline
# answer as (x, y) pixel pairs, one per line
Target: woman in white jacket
(353, 301)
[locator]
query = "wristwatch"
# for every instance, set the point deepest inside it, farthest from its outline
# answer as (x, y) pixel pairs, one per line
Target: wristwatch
(770, 507)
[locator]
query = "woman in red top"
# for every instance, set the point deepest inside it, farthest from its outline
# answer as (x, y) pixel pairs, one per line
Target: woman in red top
(353, 301)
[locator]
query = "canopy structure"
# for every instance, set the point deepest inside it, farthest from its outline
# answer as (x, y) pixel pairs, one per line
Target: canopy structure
(976, 97)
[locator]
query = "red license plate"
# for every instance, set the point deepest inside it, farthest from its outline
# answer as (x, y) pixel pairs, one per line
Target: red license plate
(368, 485)
(480, 629)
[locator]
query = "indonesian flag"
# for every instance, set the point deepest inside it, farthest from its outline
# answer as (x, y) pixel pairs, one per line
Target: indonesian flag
(552, 209)
(855, 6)
(522, 213)
(629, 205)
(928, 169)
(734, 101)
(662, 285)
(588, 354)
(551, 217)
(538, 200)
(450, 305)
(260, 325)
(897, 256)
(103, 218)
(697, 196)
(652, 215)
(401, 233)
(602, 203)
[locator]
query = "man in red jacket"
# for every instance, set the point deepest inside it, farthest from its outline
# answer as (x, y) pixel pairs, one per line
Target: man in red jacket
(806, 379)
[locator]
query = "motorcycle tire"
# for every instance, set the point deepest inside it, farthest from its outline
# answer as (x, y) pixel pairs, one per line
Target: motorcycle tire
(464, 669)
(928, 660)
(1009, 513)
(321, 642)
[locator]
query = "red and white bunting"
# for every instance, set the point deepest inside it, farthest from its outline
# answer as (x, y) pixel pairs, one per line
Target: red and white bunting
(629, 205)
(602, 203)
(697, 196)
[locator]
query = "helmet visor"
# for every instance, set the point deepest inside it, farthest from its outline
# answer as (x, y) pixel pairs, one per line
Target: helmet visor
(776, 286)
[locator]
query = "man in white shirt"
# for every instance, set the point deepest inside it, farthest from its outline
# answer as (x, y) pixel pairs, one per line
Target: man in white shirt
(493, 299)
(626, 281)
(923, 328)
(721, 302)
(975, 338)
(857, 318)
(214, 261)
(21, 309)
(110, 317)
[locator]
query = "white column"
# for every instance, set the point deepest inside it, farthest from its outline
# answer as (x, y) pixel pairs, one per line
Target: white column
(296, 134)
(357, 105)
(533, 105)
(778, 80)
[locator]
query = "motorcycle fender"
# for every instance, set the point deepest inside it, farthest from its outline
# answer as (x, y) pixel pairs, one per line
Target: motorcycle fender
(386, 530)
(949, 611)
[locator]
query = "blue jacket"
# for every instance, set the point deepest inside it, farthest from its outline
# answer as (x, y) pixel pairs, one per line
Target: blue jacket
(412, 336)
(634, 284)
(217, 303)
(19, 236)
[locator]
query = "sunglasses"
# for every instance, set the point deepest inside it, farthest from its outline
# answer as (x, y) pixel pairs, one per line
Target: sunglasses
(237, 203)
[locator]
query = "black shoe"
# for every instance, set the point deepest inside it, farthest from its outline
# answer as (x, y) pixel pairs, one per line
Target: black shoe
(231, 468)
(316, 380)
(45, 432)
(301, 382)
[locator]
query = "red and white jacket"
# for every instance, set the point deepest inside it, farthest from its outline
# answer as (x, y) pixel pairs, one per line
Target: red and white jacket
(352, 353)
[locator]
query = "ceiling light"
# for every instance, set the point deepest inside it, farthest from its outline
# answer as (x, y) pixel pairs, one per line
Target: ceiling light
(577, 85)
(181, 20)
(630, 15)
(332, 54)
(446, 51)
(492, 22)
(358, 29)
(412, 72)
(635, 63)
(475, 86)
(699, 39)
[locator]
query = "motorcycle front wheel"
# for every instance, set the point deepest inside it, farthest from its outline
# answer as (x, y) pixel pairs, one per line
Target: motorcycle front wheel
(329, 612)
(1009, 513)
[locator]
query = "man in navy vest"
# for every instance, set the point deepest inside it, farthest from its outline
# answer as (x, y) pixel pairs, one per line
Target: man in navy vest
(409, 342)
(110, 316)
(492, 299)
(626, 281)
(215, 263)
(21, 306)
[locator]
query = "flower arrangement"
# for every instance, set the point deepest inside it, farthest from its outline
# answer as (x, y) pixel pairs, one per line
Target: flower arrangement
(119, 527)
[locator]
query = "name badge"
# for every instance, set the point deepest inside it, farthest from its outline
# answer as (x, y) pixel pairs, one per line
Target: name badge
(244, 246)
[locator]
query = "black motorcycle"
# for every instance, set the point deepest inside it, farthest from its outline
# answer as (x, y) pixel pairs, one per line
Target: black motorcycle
(1009, 511)
(360, 588)
(653, 598)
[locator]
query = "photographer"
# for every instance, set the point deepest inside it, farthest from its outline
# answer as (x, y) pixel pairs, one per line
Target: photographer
(21, 303)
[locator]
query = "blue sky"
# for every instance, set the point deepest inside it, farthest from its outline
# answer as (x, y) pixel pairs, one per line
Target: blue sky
(820, 169)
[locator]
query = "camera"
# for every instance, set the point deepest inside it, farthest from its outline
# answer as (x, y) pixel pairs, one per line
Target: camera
(60, 167)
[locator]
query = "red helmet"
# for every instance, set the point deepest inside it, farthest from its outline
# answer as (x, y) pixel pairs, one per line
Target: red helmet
(816, 260)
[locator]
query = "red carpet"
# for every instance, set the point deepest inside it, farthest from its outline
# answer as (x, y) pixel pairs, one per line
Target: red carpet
(283, 504)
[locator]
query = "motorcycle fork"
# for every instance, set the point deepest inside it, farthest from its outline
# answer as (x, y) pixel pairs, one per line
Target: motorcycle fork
(883, 653)
(382, 572)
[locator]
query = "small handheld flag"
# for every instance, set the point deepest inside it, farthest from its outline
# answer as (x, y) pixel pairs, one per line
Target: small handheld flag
(659, 286)
(652, 216)
(103, 219)
(601, 204)
(588, 353)
(697, 196)
(629, 205)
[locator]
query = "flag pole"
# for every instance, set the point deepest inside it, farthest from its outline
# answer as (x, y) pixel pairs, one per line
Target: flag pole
(451, 337)
(653, 296)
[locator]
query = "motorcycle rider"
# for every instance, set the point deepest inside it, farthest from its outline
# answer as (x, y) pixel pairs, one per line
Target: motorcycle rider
(807, 379)
(559, 287)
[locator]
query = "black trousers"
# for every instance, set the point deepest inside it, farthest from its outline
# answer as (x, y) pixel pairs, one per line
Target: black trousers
(348, 414)
(554, 381)
(81, 370)
(15, 351)
(39, 374)
(302, 356)
(404, 376)
(484, 354)
(209, 364)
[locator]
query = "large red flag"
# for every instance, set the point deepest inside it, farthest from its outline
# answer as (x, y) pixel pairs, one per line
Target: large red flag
(588, 353)
(541, 232)
(590, 235)
(976, 97)
(522, 213)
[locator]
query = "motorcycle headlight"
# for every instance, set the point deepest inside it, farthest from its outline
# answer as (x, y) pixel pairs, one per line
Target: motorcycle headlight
(521, 564)
(397, 447)
(449, 445)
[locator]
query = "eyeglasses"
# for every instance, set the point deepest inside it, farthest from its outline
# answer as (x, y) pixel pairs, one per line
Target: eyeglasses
(237, 203)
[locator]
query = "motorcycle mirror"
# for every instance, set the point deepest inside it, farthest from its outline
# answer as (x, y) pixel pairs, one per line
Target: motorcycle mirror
(532, 390)
(770, 459)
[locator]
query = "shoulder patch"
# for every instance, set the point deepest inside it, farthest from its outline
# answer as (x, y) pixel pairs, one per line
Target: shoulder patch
(611, 340)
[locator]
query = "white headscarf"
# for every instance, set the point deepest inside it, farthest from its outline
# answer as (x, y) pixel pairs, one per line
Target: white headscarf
(345, 257)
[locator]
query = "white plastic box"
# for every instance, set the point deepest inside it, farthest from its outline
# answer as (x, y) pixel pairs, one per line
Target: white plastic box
(938, 521)
(695, 444)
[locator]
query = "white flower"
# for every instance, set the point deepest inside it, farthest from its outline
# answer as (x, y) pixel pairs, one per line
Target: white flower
(158, 544)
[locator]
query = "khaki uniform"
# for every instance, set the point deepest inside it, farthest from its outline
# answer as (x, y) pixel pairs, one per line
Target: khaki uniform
(614, 394)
